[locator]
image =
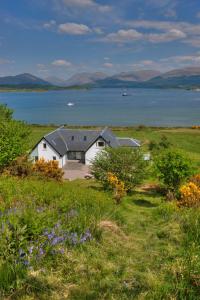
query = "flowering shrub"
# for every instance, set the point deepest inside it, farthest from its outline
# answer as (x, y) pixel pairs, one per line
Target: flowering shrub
(118, 186)
(126, 163)
(196, 127)
(190, 193)
(21, 167)
(48, 169)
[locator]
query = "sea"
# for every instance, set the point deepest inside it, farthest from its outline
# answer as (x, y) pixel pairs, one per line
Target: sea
(107, 106)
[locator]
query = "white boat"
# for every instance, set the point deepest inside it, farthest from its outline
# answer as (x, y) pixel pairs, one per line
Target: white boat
(124, 94)
(70, 104)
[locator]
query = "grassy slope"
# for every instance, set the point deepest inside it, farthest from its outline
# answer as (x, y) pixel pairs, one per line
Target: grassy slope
(139, 253)
(128, 261)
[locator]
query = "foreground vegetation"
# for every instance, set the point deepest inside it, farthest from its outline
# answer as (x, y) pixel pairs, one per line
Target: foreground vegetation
(119, 239)
(68, 241)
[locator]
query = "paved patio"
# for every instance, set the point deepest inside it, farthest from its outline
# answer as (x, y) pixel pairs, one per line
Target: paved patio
(75, 170)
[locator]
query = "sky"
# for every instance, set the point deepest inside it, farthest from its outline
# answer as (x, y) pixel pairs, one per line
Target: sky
(64, 37)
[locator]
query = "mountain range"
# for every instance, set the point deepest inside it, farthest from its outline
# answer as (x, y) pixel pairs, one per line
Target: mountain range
(23, 79)
(178, 78)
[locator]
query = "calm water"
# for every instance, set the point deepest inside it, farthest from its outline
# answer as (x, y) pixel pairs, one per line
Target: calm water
(107, 107)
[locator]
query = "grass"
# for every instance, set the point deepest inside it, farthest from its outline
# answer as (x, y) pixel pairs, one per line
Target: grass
(136, 250)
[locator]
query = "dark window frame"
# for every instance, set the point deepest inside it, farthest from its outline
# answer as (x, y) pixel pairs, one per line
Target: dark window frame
(101, 144)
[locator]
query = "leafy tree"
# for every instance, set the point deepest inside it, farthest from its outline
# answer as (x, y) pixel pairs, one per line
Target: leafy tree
(5, 113)
(127, 164)
(164, 143)
(173, 168)
(13, 140)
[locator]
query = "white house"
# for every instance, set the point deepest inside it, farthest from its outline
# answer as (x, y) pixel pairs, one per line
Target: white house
(64, 144)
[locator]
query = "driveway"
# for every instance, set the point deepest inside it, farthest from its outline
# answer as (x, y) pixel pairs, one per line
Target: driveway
(75, 170)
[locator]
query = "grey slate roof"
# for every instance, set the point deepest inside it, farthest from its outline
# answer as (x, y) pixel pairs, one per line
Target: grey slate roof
(64, 140)
(128, 142)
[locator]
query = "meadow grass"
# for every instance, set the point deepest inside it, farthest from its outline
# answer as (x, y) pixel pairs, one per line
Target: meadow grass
(142, 249)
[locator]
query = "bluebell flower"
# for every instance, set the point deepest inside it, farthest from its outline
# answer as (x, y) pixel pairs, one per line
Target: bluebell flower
(31, 249)
(41, 252)
(25, 262)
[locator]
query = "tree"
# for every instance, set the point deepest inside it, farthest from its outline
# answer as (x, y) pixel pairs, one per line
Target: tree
(127, 164)
(173, 168)
(5, 113)
(13, 141)
(164, 143)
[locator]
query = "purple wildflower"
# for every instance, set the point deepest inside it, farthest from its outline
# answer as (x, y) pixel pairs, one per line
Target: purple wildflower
(31, 249)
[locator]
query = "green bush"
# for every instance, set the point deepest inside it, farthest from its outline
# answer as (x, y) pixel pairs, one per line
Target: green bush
(13, 141)
(172, 168)
(127, 164)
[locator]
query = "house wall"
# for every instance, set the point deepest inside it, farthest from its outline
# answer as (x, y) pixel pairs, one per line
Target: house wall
(93, 151)
(47, 153)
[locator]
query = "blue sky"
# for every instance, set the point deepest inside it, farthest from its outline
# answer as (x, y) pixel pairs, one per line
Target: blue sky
(63, 37)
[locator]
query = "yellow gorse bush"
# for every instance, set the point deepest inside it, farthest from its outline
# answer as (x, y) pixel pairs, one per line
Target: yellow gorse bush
(117, 185)
(195, 127)
(190, 193)
(48, 169)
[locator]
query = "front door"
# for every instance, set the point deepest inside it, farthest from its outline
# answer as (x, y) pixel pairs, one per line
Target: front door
(74, 155)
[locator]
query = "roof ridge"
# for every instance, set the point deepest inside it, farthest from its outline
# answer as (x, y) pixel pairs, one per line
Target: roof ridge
(103, 130)
(52, 132)
(81, 129)
(62, 138)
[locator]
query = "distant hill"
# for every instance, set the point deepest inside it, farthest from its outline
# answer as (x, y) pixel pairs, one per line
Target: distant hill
(85, 78)
(25, 79)
(55, 81)
(178, 78)
(139, 76)
(185, 72)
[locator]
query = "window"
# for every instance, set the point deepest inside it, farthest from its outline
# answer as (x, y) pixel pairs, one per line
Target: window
(54, 157)
(72, 138)
(44, 146)
(85, 138)
(101, 144)
(36, 158)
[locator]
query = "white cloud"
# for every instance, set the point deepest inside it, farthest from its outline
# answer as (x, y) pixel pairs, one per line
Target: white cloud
(41, 66)
(108, 65)
(165, 26)
(171, 35)
(124, 36)
(169, 63)
(87, 4)
(5, 61)
(49, 24)
(131, 35)
(198, 14)
(73, 29)
(98, 30)
(61, 63)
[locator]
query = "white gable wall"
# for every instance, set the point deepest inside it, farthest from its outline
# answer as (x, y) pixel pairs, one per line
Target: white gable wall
(47, 153)
(93, 151)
